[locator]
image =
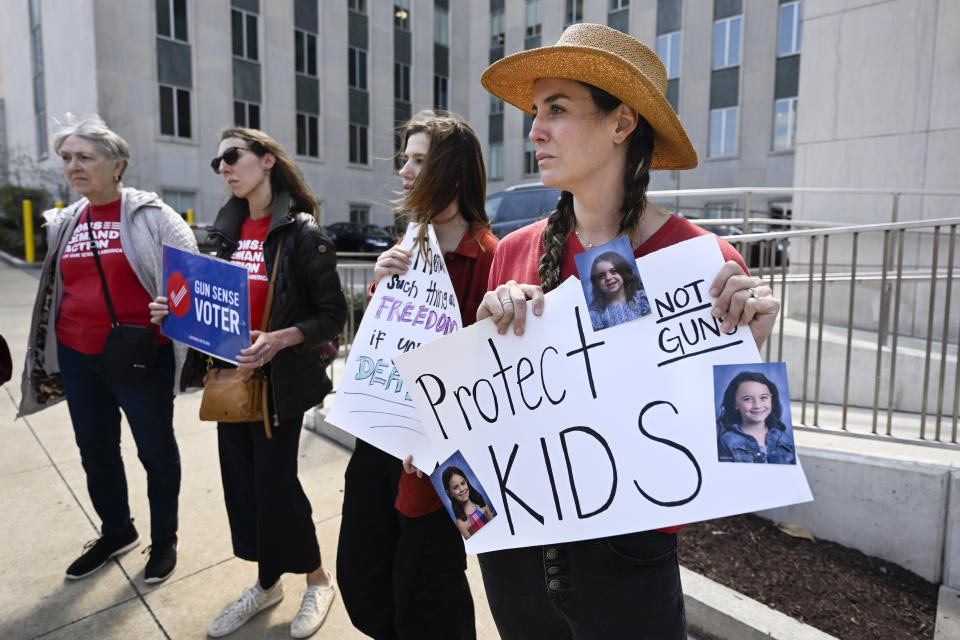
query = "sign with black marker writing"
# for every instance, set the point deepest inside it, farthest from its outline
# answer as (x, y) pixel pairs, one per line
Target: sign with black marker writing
(405, 312)
(577, 434)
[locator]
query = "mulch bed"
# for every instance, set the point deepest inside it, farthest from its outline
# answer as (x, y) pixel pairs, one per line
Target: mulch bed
(831, 587)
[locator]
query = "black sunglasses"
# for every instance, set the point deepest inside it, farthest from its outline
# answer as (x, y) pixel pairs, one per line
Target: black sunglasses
(230, 156)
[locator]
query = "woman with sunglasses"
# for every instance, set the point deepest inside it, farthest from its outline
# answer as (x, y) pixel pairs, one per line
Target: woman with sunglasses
(598, 132)
(618, 294)
(272, 216)
(400, 559)
(68, 336)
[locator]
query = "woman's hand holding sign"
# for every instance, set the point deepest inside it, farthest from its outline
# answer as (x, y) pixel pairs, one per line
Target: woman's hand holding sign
(508, 304)
(393, 261)
(265, 346)
(745, 301)
(159, 309)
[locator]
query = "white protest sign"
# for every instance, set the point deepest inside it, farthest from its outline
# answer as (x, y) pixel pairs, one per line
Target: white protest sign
(576, 434)
(407, 311)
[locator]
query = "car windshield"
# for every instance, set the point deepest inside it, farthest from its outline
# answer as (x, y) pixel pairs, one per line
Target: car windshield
(375, 231)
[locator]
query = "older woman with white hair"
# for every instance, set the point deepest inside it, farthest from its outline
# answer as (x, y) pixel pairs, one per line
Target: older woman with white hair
(92, 343)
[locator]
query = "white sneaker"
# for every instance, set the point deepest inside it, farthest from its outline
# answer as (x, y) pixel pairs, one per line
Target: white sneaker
(313, 609)
(253, 601)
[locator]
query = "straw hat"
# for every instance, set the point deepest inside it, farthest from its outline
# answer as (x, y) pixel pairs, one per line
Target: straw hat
(609, 60)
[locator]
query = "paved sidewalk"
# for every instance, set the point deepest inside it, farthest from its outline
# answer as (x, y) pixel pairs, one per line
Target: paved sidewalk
(47, 518)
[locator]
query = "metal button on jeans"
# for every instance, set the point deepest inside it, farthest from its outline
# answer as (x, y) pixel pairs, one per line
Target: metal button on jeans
(553, 570)
(554, 585)
(551, 554)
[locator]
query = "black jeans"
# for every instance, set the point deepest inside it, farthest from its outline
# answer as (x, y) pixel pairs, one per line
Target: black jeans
(95, 403)
(399, 577)
(271, 521)
(619, 587)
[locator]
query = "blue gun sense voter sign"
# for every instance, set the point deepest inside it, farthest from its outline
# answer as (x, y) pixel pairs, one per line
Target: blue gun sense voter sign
(209, 303)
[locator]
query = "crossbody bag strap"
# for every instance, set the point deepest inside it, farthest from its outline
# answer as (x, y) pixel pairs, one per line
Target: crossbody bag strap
(264, 324)
(103, 280)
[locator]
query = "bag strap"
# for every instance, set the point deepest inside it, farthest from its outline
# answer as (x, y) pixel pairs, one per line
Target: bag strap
(264, 324)
(268, 307)
(103, 280)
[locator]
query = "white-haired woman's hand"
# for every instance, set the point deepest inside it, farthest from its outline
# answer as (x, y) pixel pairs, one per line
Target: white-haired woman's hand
(393, 261)
(744, 300)
(507, 304)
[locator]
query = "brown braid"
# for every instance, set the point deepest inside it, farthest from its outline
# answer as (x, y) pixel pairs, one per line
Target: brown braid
(636, 178)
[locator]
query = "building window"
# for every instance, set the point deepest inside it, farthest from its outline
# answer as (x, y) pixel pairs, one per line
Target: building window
(308, 135)
(726, 42)
(616, 5)
(175, 112)
(246, 114)
(496, 105)
(39, 95)
(496, 29)
(360, 213)
(358, 144)
(784, 123)
(791, 29)
(669, 46)
(441, 26)
(532, 22)
(357, 69)
(401, 81)
(244, 30)
(530, 165)
(496, 161)
(305, 52)
(401, 14)
(360, 6)
(172, 19)
(441, 97)
(180, 201)
(723, 132)
(572, 12)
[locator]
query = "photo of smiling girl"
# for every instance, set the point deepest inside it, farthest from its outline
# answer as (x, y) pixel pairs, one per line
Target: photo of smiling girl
(750, 424)
(611, 284)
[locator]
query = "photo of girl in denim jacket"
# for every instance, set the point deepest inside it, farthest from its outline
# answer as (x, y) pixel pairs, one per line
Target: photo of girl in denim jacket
(749, 427)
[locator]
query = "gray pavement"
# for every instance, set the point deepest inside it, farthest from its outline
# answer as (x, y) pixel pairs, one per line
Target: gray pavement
(47, 517)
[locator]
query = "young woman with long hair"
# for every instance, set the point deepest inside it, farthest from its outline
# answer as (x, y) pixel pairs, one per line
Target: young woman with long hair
(601, 123)
(272, 216)
(400, 560)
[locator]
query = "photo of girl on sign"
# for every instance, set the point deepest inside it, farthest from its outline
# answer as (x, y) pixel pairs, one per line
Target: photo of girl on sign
(611, 284)
(753, 424)
(462, 495)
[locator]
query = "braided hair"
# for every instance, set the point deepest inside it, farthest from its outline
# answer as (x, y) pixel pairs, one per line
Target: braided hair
(636, 178)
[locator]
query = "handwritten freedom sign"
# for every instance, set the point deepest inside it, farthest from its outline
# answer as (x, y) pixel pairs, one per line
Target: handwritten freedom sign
(209, 303)
(577, 434)
(373, 403)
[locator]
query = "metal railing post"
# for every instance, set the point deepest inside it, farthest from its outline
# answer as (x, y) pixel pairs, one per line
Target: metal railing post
(746, 212)
(28, 248)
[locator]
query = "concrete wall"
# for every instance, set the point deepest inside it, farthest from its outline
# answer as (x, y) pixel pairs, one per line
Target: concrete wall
(892, 509)
(875, 115)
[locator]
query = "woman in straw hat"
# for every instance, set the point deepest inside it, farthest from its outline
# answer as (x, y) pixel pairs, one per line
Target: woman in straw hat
(601, 123)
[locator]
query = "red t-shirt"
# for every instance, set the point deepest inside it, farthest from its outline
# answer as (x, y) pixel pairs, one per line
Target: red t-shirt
(518, 257)
(249, 254)
(83, 321)
(468, 266)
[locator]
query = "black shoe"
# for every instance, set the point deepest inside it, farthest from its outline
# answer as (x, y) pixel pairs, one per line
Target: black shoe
(163, 560)
(97, 552)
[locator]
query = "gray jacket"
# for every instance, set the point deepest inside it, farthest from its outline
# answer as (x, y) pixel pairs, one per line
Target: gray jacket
(146, 224)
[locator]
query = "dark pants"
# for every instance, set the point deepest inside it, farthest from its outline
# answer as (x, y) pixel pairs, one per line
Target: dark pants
(95, 403)
(620, 587)
(399, 577)
(270, 517)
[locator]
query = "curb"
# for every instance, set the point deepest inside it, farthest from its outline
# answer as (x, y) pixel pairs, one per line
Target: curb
(948, 614)
(17, 262)
(714, 612)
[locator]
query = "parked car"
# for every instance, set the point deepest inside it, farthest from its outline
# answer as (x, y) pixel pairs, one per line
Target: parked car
(520, 205)
(353, 236)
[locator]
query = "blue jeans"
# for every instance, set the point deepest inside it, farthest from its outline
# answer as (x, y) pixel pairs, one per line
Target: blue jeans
(619, 587)
(95, 403)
